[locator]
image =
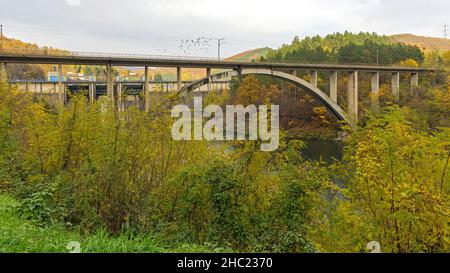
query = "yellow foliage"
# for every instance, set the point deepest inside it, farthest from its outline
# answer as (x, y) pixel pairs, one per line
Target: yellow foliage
(409, 63)
(397, 190)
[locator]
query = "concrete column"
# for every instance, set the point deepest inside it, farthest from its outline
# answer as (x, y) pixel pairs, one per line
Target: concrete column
(294, 73)
(109, 82)
(61, 91)
(208, 74)
(120, 97)
(178, 78)
(414, 82)
(92, 92)
(375, 88)
(333, 85)
(352, 96)
(146, 90)
(3, 73)
(395, 80)
(314, 78)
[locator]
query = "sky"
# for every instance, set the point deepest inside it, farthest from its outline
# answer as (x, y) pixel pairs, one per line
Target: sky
(161, 27)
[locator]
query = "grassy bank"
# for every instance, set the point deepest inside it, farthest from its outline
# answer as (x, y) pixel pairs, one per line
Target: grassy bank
(20, 235)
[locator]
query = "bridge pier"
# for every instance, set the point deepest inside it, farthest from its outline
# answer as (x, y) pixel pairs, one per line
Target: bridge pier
(333, 85)
(120, 99)
(3, 72)
(395, 83)
(352, 96)
(61, 89)
(109, 82)
(374, 92)
(294, 73)
(92, 91)
(178, 78)
(146, 90)
(208, 74)
(414, 82)
(313, 79)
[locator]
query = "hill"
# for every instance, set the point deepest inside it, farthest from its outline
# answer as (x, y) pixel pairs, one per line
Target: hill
(39, 71)
(17, 45)
(23, 71)
(346, 48)
(250, 55)
(424, 43)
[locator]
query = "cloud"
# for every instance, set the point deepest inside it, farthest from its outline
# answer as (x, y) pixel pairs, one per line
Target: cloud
(373, 2)
(73, 2)
(158, 26)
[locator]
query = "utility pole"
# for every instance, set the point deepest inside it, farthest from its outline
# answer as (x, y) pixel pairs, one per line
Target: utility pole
(219, 42)
(1, 37)
(445, 31)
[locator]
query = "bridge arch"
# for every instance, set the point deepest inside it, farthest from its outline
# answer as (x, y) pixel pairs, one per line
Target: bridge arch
(331, 106)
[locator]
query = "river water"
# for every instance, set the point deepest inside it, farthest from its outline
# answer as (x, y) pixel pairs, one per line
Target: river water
(324, 150)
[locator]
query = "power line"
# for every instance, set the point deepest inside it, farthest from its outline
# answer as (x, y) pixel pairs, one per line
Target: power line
(20, 29)
(85, 34)
(59, 31)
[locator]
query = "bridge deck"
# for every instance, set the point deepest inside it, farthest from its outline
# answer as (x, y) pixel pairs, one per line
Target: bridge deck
(169, 61)
(99, 82)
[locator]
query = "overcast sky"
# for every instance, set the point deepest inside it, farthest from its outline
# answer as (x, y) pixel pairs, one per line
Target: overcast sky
(158, 26)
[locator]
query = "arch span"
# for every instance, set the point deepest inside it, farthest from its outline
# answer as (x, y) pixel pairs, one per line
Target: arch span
(332, 106)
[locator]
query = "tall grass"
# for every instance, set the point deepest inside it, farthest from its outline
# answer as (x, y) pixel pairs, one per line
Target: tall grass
(19, 235)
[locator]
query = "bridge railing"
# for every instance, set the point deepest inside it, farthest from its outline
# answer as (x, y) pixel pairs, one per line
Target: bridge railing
(62, 53)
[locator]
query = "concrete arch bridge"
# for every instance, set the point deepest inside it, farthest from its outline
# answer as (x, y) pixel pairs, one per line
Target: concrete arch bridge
(284, 71)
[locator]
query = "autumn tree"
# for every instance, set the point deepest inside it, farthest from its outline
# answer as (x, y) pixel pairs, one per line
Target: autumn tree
(249, 92)
(396, 191)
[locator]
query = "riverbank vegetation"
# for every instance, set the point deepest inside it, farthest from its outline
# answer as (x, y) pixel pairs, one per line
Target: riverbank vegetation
(116, 181)
(91, 173)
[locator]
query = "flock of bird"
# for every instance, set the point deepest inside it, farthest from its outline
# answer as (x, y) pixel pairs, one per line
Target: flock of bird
(198, 45)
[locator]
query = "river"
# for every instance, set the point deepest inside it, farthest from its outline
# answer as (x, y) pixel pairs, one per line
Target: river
(324, 150)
